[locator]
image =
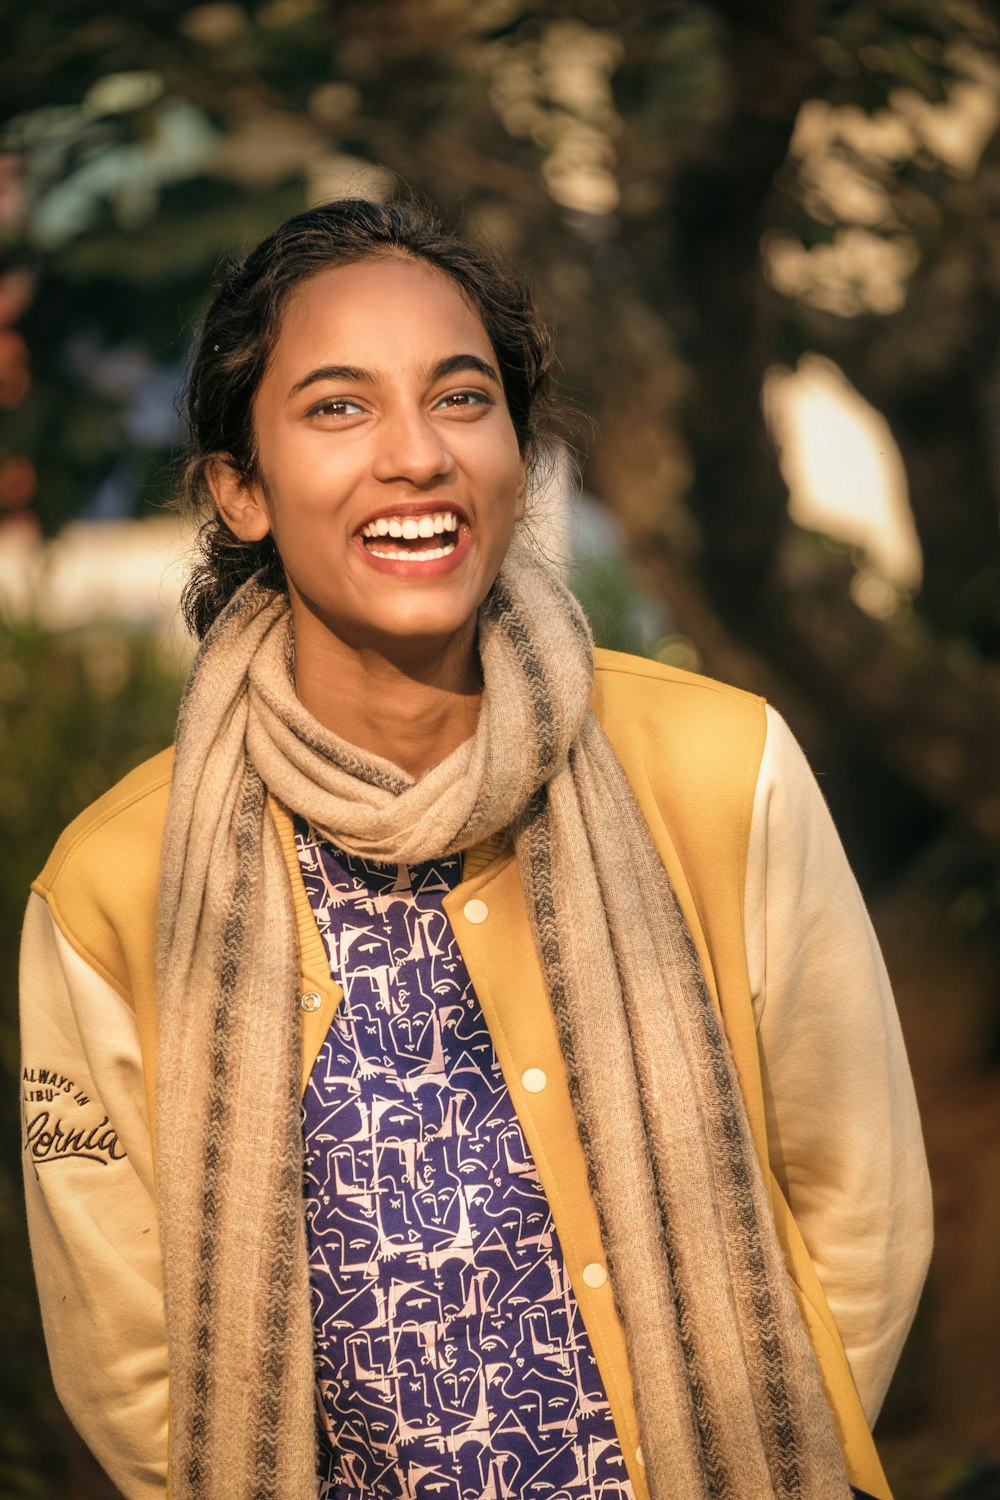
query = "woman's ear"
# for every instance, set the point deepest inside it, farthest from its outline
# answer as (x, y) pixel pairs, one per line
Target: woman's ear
(240, 505)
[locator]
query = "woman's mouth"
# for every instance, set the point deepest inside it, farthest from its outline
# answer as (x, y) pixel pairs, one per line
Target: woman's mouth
(408, 538)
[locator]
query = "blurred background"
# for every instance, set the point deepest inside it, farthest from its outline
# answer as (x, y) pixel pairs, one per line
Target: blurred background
(768, 235)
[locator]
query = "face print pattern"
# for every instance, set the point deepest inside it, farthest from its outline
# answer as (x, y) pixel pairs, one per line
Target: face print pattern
(452, 1362)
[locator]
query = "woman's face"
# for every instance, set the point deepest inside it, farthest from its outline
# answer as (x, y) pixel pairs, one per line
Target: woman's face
(390, 474)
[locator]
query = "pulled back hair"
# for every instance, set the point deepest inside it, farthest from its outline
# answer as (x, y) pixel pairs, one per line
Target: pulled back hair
(242, 326)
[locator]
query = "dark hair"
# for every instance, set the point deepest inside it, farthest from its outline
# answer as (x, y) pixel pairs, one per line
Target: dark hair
(242, 325)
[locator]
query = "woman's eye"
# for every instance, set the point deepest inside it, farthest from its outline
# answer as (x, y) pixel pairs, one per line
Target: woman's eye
(336, 406)
(456, 400)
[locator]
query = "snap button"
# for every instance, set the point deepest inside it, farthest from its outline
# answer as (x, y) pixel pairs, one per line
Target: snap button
(595, 1275)
(310, 1000)
(639, 1458)
(475, 911)
(534, 1080)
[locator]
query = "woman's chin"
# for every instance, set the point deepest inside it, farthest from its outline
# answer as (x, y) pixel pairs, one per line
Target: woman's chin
(403, 630)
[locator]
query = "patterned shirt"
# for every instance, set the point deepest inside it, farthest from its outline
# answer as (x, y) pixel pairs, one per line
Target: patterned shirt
(452, 1361)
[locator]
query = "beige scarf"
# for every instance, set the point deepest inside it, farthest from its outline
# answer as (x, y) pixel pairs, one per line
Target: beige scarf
(728, 1393)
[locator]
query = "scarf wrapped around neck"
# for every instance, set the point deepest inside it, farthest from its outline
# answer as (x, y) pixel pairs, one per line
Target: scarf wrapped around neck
(728, 1393)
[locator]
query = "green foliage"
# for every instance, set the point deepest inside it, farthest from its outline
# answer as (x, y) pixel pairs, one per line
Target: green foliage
(621, 616)
(76, 713)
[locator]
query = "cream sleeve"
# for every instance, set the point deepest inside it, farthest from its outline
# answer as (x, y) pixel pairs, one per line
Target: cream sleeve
(843, 1130)
(91, 1211)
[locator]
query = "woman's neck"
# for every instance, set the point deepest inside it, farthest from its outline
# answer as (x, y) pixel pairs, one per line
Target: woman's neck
(411, 707)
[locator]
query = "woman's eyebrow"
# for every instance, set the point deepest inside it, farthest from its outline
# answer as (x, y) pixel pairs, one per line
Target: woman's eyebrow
(333, 372)
(452, 365)
(456, 362)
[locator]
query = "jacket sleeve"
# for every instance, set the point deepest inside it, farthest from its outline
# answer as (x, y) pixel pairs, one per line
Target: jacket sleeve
(90, 1204)
(843, 1130)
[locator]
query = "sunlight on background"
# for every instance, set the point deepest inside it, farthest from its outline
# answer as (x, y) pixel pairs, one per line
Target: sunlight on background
(846, 164)
(130, 572)
(557, 92)
(845, 476)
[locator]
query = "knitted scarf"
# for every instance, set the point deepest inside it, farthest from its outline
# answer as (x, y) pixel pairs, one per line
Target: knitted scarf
(728, 1393)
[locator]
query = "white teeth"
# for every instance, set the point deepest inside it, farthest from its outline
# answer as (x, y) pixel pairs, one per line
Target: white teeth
(420, 557)
(412, 526)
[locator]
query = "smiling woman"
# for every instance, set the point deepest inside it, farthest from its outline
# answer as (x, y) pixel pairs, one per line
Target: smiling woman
(408, 430)
(506, 1093)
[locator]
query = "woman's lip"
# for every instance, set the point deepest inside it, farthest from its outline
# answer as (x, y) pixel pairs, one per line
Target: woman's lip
(407, 567)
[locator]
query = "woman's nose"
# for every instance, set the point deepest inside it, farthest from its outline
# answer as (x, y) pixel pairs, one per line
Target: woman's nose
(408, 446)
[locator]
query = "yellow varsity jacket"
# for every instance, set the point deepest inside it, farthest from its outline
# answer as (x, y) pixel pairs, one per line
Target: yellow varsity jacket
(788, 954)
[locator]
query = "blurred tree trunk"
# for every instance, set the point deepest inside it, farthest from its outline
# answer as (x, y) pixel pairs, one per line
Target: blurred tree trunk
(766, 605)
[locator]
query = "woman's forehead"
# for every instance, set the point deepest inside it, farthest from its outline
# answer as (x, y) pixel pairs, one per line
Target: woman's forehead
(396, 308)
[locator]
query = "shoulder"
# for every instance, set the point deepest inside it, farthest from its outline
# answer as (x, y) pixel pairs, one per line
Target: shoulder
(691, 748)
(634, 694)
(619, 666)
(125, 819)
(101, 879)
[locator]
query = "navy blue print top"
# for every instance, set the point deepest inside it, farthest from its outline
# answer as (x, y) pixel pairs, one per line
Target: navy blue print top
(452, 1361)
